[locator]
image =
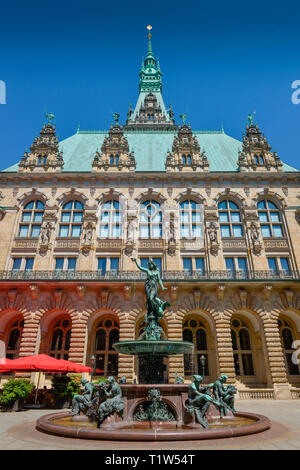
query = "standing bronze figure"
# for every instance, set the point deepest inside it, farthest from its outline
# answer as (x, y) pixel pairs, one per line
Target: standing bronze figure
(155, 306)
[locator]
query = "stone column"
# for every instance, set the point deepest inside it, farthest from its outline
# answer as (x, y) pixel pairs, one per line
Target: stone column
(176, 364)
(277, 369)
(127, 333)
(30, 337)
(78, 340)
(224, 349)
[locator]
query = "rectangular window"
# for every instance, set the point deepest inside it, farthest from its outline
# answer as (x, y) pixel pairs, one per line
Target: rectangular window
(102, 265)
(199, 262)
(285, 265)
(17, 263)
(187, 265)
(77, 217)
(66, 216)
(273, 265)
(277, 231)
(35, 230)
(76, 231)
(72, 264)
(229, 264)
(114, 264)
(265, 231)
(242, 265)
(63, 231)
(263, 216)
(225, 231)
(29, 264)
(59, 264)
(23, 231)
(237, 230)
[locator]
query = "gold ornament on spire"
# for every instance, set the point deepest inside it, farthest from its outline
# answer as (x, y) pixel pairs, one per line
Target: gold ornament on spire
(149, 27)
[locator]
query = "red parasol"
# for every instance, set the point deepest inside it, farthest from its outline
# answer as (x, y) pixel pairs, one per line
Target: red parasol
(79, 368)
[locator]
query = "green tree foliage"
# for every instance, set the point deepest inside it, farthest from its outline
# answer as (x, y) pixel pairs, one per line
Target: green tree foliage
(15, 389)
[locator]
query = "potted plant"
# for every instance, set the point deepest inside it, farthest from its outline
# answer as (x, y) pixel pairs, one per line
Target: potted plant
(14, 392)
(64, 388)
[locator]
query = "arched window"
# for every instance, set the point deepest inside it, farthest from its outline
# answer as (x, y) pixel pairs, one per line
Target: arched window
(150, 219)
(195, 332)
(111, 219)
(60, 339)
(287, 338)
(190, 219)
(117, 160)
(111, 160)
(107, 333)
(256, 161)
(270, 219)
(189, 160)
(230, 219)
(14, 339)
(31, 219)
(183, 159)
(261, 160)
(71, 219)
(242, 350)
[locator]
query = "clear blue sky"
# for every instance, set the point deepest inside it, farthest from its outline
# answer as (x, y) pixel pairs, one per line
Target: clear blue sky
(80, 60)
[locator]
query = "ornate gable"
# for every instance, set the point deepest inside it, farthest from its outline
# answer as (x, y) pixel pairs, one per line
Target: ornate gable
(44, 155)
(256, 154)
(186, 154)
(115, 154)
(150, 115)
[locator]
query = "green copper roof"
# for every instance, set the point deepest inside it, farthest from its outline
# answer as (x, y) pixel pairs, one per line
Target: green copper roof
(150, 150)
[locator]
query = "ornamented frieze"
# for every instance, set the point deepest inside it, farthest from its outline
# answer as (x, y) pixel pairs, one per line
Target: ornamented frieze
(67, 244)
(109, 244)
(27, 244)
(192, 245)
(234, 245)
(151, 244)
(276, 245)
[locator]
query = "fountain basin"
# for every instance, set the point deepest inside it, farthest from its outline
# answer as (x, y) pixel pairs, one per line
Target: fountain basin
(241, 424)
(158, 348)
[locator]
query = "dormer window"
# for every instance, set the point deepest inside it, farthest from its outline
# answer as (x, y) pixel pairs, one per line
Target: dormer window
(183, 159)
(259, 160)
(42, 160)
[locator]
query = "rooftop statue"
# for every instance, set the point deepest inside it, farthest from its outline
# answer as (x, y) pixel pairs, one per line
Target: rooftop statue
(155, 306)
(183, 117)
(49, 116)
(116, 117)
(251, 118)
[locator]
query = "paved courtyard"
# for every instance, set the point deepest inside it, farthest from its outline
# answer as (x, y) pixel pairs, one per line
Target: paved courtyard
(17, 431)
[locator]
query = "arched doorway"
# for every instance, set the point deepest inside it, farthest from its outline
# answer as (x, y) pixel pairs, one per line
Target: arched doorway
(249, 358)
(105, 334)
(288, 334)
(196, 330)
(13, 338)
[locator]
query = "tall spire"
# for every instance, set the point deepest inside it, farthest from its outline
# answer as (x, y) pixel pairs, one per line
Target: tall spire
(150, 74)
(149, 27)
(150, 111)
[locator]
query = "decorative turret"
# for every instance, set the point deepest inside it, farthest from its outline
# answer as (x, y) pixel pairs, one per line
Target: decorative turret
(256, 154)
(115, 155)
(44, 155)
(150, 111)
(186, 154)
